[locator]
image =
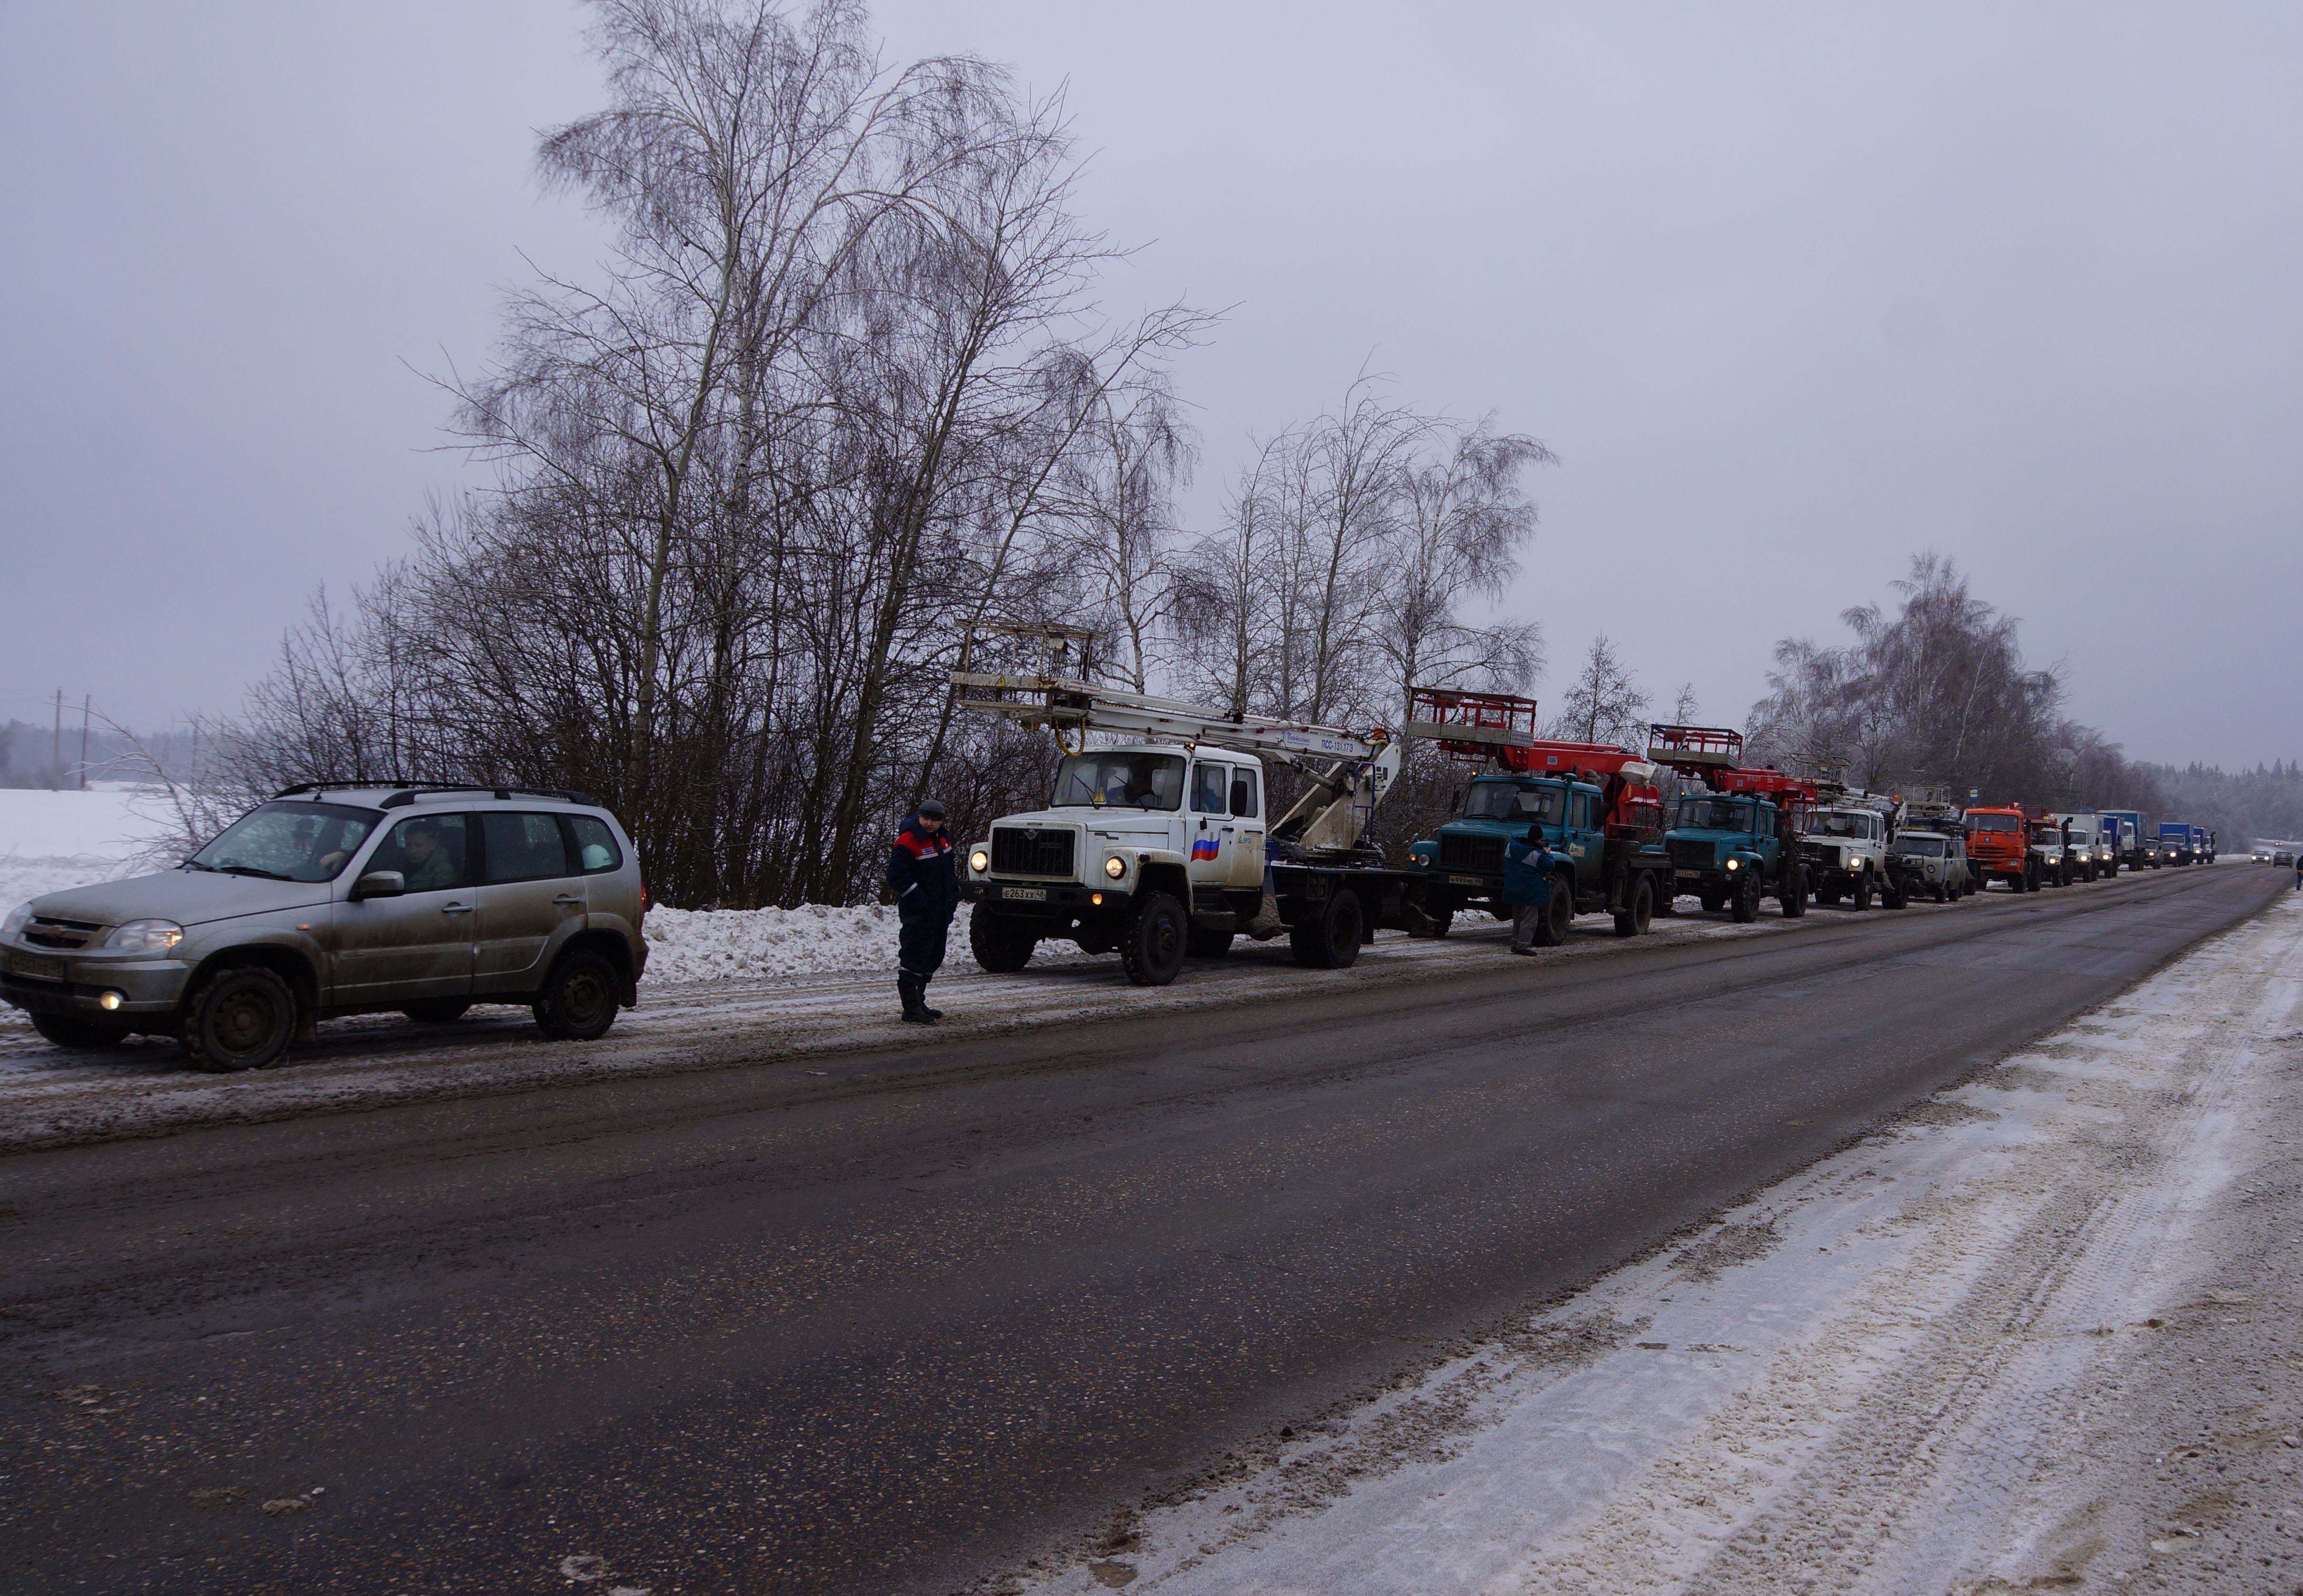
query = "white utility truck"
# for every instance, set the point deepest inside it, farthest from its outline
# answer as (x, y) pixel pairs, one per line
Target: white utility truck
(1844, 839)
(1161, 846)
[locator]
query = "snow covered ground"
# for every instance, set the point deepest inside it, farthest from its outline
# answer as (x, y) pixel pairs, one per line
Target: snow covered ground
(50, 841)
(2039, 1334)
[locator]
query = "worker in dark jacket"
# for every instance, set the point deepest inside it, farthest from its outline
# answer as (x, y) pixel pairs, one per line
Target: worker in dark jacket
(1528, 865)
(927, 894)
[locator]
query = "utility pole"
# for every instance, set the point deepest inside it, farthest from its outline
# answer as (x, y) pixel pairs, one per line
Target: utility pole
(86, 699)
(56, 748)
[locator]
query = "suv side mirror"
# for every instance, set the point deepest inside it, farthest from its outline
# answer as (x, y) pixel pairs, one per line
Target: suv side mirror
(380, 884)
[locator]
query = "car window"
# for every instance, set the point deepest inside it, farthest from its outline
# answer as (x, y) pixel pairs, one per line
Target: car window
(433, 852)
(1208, 782)
(523, 848)
(595, 844)
(1243, 793)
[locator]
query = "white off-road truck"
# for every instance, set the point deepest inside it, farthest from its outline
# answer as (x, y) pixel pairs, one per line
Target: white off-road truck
(1161, 846)
(1845, 841)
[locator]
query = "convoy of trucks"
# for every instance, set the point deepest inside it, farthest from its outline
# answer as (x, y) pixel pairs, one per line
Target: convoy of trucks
(1160, 846)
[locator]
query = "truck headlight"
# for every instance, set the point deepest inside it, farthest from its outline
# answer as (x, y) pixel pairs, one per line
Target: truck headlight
(1115, 867)
(146, 937)
(979, 861)
(1734, 864)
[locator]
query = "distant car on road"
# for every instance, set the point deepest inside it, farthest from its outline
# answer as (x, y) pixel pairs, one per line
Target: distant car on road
(333, 900)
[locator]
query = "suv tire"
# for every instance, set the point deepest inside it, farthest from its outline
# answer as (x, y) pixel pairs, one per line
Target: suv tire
(241, 1019)
(439, 1011)
(577, 1002)
(1332, 940)
(71, 1030)
(1151, 941)
(1001, 945)
(1639, 913)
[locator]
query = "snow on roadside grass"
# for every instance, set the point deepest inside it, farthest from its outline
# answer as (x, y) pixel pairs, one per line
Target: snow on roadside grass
(729, 944)
(50, 841)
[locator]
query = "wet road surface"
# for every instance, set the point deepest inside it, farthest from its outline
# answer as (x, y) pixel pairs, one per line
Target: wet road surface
(900, 1324)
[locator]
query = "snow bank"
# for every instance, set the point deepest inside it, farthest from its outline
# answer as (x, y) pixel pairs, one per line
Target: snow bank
(50, 841)
(721, 945)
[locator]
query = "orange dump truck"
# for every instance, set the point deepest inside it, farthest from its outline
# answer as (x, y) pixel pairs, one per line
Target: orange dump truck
(1999, 846)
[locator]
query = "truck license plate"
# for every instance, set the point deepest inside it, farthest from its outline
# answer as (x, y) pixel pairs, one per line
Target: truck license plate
(1024, 895)
(1465, 881)
(37, 967)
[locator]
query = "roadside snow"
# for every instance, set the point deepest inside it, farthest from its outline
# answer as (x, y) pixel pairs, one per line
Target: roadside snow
(722, 944)
(2039, 1334)
(50, 841)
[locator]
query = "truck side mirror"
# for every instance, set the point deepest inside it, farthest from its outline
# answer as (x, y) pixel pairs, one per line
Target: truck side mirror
(380, 884)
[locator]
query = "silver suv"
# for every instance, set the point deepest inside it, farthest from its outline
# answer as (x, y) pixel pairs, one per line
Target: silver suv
(335, 900)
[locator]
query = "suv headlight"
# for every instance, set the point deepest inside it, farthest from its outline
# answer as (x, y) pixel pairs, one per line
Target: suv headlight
(18, 919)
(146, 937)
(979, 861)
(1115, 867)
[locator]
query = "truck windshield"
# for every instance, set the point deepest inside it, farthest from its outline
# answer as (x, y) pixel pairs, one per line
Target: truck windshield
(1713, 814)
(288, 842)
(1926, 847)
(1508, 801)
(1120, 779)
(1976, 822)
(1838, 822)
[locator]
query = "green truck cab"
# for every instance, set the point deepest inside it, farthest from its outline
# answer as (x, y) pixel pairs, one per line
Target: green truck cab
(1731, 850)
(1464, 860)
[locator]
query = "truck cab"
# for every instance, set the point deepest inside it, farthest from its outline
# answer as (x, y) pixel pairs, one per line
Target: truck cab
(1731, 849)
(2180, 844)
(1999, 847)
(2051, 861)
(1465, 857)
(1844, 847)
(2091, 845)
(1154, 850)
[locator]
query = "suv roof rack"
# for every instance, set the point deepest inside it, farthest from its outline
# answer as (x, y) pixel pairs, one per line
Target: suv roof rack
(407, 793)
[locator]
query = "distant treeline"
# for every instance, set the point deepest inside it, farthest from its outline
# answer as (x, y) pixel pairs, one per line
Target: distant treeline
(2238, 807)
(32, 755)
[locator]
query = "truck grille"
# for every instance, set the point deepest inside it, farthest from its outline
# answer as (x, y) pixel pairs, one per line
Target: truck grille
(1457, 852)
(1015, 852)
(1689, 855)
(1822, 855)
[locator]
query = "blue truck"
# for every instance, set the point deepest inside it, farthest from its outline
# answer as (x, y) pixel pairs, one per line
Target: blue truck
(2185, 843)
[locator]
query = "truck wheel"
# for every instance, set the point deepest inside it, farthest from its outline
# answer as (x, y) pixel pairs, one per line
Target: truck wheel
(1862, 894)
(577, 1002)
(1639, 913)
(1792, 899)
(1940, 895)
(1558, 914)
(440, 1011)
(241, 1019)
(1892, 892)
(1000, 946)
(1331, 940)
(69, 1031)
(1745, 905)
(1208, 945)
(1151, 941)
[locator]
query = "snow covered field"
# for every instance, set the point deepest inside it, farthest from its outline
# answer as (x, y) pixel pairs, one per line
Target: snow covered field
(50, 841)
(2040, 1334)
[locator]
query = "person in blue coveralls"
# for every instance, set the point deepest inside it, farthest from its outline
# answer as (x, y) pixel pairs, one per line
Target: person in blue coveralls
(1528, 864)
(927, 894)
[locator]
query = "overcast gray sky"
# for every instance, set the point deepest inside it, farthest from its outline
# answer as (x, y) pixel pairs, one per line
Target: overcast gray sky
(1792, 291)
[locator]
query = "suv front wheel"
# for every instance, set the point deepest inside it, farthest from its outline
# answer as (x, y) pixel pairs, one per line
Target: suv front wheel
(579, 1000)
(239, 1019)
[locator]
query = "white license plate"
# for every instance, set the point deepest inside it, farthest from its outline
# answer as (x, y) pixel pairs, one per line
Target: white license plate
(1024, 895)
(37, 967)
(1465, 881)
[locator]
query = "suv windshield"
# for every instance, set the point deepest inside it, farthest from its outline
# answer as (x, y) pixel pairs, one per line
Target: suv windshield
(288, 841)
(1926, 847)
(1122, 779)
(1714, 814)
(1508, 801)
(1836, 822)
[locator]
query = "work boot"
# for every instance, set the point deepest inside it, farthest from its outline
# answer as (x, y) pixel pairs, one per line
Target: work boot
(916, 1008)
(924, 1009)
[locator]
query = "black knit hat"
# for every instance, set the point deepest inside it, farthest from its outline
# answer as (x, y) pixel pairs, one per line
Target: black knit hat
(932, 810)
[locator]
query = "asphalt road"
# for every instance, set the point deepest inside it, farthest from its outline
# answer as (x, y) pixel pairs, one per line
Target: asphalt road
(895, 1326)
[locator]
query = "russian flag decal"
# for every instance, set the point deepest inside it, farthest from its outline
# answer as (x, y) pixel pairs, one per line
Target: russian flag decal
(1203, 848)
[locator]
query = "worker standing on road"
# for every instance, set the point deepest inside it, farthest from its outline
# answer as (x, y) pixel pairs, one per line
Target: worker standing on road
(927, 894)
(2299, 869)
(1527, 887)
